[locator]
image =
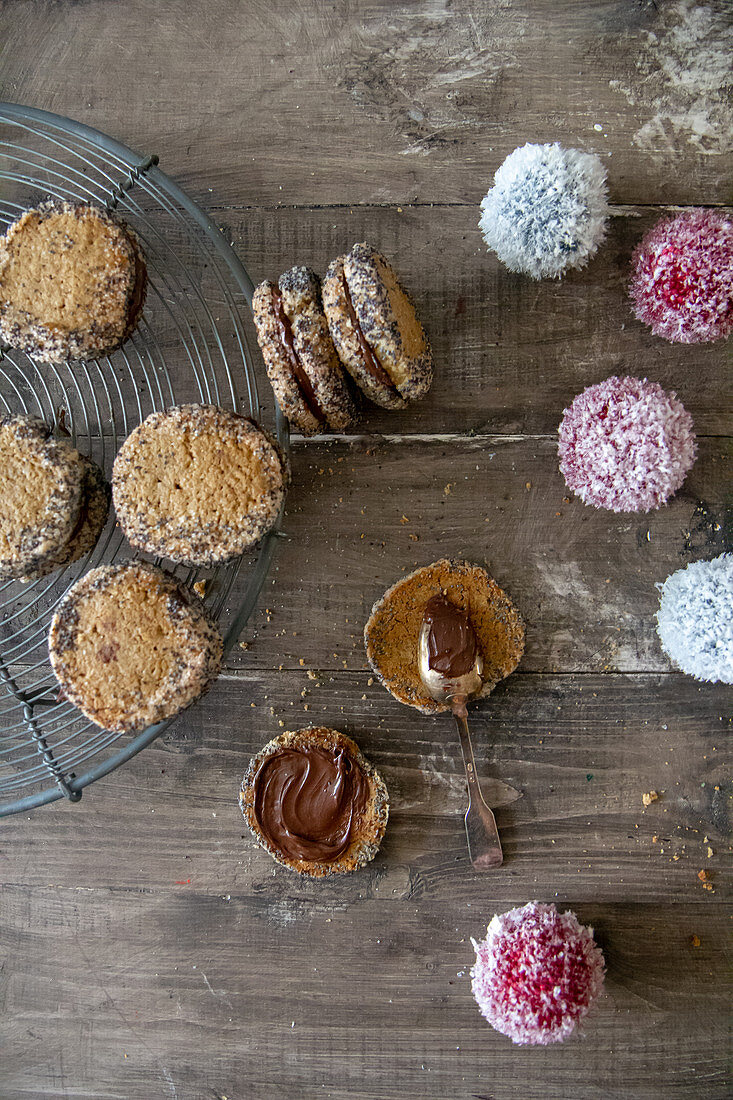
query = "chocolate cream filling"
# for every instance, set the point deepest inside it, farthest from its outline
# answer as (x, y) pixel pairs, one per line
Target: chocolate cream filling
(296, 367)
(374, 367)
(306, 801)
(452, 642)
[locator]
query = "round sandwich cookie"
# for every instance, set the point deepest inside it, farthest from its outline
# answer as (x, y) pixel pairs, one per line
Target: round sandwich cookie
(314, 803)
(130, 646)
(93, 512)
(198, 484)
(302, 365)
(537, 974)
(375, 328)
(41, 494)
(72, 282)
(392, 632)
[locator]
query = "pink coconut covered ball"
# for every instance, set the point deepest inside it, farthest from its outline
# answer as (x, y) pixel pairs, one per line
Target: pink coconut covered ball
(626, 445)
(536, 974)
(682, 277)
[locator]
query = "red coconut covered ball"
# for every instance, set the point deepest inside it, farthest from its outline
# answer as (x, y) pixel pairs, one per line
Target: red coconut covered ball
(682, 277)
(536, 974)
(626, 445)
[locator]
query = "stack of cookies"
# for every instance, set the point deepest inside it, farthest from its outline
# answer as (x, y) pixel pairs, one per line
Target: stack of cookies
(359, 324)
(55, 501)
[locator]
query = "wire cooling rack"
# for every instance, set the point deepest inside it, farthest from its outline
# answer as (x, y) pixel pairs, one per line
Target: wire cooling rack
(189, 346)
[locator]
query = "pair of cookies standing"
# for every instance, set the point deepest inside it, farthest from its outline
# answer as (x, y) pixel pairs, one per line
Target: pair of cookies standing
(358, 324)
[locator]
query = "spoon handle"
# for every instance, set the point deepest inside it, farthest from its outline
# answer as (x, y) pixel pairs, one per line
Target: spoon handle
(484, 846)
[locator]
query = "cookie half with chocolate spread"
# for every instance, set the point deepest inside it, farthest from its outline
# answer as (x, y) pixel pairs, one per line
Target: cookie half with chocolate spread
(72, 282)
(314, 803)
(302, 365)
(392, 632)
(198, 484)
(375, 328)
(41, 492)
(130, 646)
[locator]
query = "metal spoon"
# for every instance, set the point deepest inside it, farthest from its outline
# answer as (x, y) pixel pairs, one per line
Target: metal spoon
(484, 846)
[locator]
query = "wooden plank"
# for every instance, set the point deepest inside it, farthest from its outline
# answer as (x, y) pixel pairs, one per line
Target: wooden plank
(385, 102)
(582, 750)
(511, 352)
(119, 994)
(362, 514)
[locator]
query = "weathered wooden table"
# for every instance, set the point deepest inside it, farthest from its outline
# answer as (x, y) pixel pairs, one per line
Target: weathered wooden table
(148, 949)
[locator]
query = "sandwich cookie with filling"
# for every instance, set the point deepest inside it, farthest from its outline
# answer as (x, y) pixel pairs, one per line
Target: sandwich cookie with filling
(302, 365)
(53, 501)
(375, 328)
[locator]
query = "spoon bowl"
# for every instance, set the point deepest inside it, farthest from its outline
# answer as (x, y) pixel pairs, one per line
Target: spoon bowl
(455, 691)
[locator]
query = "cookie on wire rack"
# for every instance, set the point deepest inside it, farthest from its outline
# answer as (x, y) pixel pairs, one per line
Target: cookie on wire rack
(198, 485)
(93, 512)
(131, 646)
(72, 282)
(53, 502)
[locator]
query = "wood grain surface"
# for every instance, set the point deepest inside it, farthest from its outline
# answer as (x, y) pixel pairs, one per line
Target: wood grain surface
(147, 948)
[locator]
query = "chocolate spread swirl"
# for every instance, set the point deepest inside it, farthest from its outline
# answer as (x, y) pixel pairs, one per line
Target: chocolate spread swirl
(452, 643)
(306, 801)
(375, 368)
(285, 331)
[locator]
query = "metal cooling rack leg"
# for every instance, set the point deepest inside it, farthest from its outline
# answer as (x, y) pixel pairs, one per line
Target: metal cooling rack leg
(129, 182)
(41, 743)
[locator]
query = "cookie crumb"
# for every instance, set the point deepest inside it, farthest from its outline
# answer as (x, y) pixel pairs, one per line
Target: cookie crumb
(648, 797)
(200, 588)
(694, 940)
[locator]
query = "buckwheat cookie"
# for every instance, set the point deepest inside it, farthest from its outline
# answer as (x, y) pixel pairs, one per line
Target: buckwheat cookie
(302, 365)
(198, 484)
(393, 630)
(40, 495)
(93, 512)
(72, 282)
(375, 328)
(314, 803)
(130, 646)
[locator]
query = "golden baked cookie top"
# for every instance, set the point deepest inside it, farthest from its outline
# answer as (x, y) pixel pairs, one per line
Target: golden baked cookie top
(198, 484)
(72, 282)
(130, 646)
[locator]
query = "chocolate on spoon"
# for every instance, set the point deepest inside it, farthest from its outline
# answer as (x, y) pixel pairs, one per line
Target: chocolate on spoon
(451, 668)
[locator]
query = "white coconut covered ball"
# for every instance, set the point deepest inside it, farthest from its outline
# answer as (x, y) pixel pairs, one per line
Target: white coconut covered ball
(547, 210)
(695, 619)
